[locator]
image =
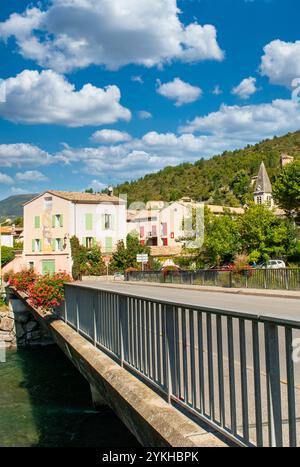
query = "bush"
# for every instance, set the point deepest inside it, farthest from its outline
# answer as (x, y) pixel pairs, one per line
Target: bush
(7, 255)
(22, 280)
(47, 291)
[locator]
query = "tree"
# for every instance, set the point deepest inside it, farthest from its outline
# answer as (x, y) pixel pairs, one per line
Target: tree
(222, 238)
(240, 185)
(120, 260)
(135, 248)
(86, 261)
(263, 234)
(286, 189)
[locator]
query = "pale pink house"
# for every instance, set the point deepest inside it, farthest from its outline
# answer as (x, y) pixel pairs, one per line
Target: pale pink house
(53, 217)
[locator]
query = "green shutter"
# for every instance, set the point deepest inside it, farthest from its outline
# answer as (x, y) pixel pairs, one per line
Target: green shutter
(89, 221)
(94, 241)
(61, 220)
(108, 244)
(37, 222)
(40, 245)
(33, 246)
(53, 244)
(53, 221)
(112, 222)
(83, 241)
(61, 244)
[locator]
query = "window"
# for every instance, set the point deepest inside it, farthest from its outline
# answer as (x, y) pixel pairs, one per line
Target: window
(89, 221)
(57, 221)
(31, 265)
(89, 242)
(107, 221)
(48, 203)
(37, 222)
(57, 244)
(164, 229)
(36, 245)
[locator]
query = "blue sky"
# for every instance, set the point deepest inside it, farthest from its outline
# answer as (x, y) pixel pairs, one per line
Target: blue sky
(96, 92)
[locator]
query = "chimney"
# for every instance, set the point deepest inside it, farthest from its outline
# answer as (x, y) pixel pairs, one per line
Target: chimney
(110, 191)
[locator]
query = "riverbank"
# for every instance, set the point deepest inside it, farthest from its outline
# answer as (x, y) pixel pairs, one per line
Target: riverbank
(44, 401)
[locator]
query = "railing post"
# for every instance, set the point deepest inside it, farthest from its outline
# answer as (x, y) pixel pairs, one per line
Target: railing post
(265, 278)
(169, 310)
(95, 301)
(123, 327)
(273, 385)
(77, 313)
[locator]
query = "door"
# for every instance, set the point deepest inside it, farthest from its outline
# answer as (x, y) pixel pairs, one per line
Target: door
(48, 266)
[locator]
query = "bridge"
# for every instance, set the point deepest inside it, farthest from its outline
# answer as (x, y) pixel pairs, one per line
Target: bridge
(179, 371)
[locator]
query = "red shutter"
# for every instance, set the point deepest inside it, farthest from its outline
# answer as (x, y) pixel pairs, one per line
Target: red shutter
(165, 241)
(154, 231)
(142, 232)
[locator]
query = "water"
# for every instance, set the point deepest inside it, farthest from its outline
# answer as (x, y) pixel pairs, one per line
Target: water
(44, 401)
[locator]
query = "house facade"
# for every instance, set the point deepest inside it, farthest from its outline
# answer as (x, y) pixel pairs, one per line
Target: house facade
(53, 217)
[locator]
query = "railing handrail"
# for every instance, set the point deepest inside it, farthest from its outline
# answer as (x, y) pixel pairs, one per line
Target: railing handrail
(218, 311)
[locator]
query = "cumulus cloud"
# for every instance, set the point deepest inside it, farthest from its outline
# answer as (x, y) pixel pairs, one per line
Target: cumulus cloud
(31, 176)
(21, 154)
(144, 115)
(217, 91)
(6, 179)
(179, 91)
(110, 136)
(47, 97)
(72, 34)
(246, 88)
(249, 123)
(281, 62)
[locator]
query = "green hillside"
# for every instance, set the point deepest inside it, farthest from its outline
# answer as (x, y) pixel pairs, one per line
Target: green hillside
(223, 179)
(13, 206)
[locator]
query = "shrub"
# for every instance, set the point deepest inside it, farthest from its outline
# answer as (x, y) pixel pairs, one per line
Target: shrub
(7, 255)
(47, 291)
(170, 270)
(22, 280)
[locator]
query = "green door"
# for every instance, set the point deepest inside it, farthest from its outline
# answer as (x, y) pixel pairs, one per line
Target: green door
(48, 266)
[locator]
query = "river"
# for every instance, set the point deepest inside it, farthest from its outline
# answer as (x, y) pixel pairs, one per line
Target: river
(44, 401)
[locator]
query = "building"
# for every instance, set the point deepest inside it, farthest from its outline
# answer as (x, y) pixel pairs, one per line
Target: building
(10, 234)
(263, 188)
(53, 217)
(286, 160)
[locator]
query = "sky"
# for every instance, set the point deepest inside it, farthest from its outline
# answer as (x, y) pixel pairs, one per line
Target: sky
(97, 92)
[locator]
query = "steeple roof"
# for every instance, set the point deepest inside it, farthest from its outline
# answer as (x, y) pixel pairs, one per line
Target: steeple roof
(263, 184)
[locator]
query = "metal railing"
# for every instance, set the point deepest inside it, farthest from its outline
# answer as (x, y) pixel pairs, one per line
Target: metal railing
(233, 370)
(283, 279)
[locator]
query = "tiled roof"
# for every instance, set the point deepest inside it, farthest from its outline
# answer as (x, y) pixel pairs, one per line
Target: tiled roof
(81, 197)
(165, 250)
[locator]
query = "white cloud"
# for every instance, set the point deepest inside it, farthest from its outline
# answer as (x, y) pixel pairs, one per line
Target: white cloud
(6, 179)
(19, 155)
(110, 136)
(31, 176)
(144, 115)
(249, 123)
(281, 62)
(179, 91)
(246, 88)
(74, 34)
(217, 91)
(137, 79)
(47, 97)
(97, 186)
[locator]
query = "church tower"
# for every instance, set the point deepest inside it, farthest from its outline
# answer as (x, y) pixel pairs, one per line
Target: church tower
(263, 188)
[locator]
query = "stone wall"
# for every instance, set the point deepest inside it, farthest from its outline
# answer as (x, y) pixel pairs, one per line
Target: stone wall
(18, 328)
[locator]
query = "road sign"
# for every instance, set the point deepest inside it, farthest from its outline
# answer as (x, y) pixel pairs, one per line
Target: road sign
(142, 258)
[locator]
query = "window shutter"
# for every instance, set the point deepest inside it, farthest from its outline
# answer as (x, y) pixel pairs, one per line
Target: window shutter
(83, 241)
(33, 245)
(61, 244)
(89, 221)
(61, 220)
(108, 244)
(94, 241)
(37, 222)
(112, 222)
(53, 221)
(40, 245)
(53, 244)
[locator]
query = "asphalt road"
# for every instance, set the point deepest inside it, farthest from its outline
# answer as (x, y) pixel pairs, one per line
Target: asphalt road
(266, 306)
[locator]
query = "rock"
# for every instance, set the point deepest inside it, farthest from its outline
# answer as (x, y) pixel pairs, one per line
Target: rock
(6, 324)
(6, 336)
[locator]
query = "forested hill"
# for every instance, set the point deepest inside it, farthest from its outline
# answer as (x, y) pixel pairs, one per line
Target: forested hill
(223, 179)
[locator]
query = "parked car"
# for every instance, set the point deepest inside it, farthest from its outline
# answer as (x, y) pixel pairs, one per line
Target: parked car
(273, 264)
(118, 276)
